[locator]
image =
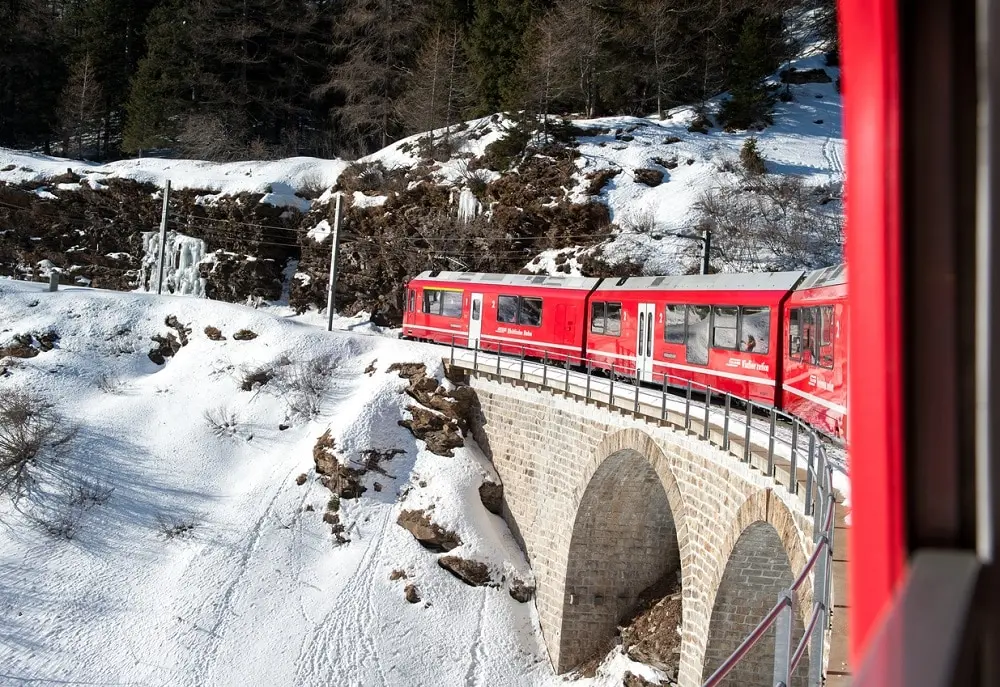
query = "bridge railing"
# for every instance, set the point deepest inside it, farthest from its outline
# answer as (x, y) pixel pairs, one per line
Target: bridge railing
(753, 432)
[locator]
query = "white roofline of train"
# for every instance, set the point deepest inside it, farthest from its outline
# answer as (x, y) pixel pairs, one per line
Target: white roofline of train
(539, 280)
(722, 281)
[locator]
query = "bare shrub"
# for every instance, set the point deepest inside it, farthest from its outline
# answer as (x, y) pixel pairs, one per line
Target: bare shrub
(114, 385)
(88, 493)
(256, 377)
(224, 422)
(62, 523)
(31, 432)
(771, 222)
(312, 186)
(172, 527)
(303, 385)
(641, 221)
(476, 180)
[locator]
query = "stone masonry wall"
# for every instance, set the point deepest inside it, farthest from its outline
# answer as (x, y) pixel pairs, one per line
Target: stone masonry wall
(756, 574)
(547, 450)
(624, 541)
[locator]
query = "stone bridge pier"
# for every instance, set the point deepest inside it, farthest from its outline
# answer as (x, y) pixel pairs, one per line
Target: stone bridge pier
(605, 505)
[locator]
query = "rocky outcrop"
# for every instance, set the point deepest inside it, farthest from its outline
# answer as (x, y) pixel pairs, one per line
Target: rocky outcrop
(521, 591)
(442, 417)
(29, 345)
(168, 346)
(491, 494)
(429, 534)
(342, 480)
(472, 573)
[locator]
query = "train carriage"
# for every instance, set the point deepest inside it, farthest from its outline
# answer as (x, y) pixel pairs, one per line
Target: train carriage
(721, 331)
(540, 315)
(814, 386)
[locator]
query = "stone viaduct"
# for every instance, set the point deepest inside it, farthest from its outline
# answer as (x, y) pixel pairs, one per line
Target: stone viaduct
(606, 504)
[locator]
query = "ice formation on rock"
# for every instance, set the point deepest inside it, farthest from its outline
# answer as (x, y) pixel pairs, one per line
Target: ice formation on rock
(181, 274)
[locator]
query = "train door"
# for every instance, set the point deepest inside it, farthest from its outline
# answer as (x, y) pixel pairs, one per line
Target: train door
(476, 320)
(644, 342)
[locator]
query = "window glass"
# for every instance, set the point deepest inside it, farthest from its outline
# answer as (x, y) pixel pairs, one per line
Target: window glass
(795, 334)
(531, 312)
(755, 329)
(673, 326)
(697, 334)
(642, 333)
(432, 301)
(825, 338)
(614, 319)
(810, 344)
(597, 322)
(507, 309)
(476, 309)
(451, 304)
(412, 300)
(724, 327)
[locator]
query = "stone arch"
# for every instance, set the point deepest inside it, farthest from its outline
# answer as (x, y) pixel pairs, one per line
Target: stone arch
(763, 553)
(628, 533)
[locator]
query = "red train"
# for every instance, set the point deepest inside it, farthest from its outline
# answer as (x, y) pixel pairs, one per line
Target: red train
(778, 338)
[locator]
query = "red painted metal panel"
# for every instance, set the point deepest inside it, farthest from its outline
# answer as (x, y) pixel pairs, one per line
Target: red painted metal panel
(818, 393)
(870, 59)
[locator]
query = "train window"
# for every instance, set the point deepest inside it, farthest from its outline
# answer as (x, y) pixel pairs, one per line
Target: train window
(809, 341)
(825, 323)
(725, 323)
(507, 309)
(614, 319)
(530, 313)
(440, 302)
(755, 329)
(696, 334)
(451, 304)
(673, 325)
(795, 334)
(432, 301)
(412, 300)
(597, 319)
(476, 309)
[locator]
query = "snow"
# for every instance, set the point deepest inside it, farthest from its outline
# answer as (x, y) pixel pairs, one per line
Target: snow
(320, 232)
(360, 200)
(276, 179)
(257, 591)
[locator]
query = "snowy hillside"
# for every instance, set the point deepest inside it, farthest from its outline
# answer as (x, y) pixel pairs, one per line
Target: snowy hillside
(651, 175)
(182, 535)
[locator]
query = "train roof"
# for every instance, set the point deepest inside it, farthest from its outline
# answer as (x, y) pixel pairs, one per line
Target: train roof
(538, 280)
(834, 275)
(723, 281)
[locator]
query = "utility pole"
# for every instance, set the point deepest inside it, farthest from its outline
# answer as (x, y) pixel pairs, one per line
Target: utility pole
(707, 241)
(163, 239)
(332, 286)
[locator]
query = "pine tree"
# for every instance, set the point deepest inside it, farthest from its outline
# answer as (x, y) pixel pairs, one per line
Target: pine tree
(758, 52)
(437, 90)
(160, 91)
(375, 44)
(495, 45)
(31, 72)
(81, 117)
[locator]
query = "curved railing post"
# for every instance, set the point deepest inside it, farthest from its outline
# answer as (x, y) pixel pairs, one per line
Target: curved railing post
(783, 639)
(725, 423)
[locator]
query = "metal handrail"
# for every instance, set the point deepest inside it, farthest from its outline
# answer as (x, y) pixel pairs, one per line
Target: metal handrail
(744, 648)
(819, 473)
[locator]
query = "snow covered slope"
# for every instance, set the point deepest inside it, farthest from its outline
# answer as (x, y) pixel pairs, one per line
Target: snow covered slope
(170, 542)
(805, 141)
